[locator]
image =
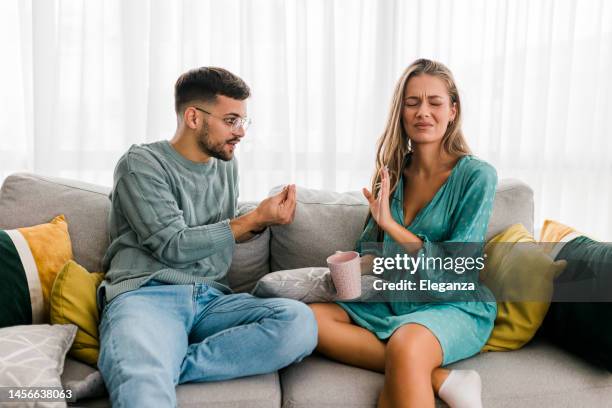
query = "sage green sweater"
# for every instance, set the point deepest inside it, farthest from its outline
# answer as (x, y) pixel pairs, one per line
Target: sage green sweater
(169, 220)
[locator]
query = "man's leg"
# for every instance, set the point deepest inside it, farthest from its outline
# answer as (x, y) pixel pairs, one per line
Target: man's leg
(241, 335)
(143, 339)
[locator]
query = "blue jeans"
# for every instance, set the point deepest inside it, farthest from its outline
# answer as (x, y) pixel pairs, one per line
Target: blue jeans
(158, 336)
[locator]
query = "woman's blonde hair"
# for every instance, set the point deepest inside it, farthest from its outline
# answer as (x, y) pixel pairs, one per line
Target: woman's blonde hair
(394, 144)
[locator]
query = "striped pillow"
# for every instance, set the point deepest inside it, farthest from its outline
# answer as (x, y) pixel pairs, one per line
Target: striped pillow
(30, 259)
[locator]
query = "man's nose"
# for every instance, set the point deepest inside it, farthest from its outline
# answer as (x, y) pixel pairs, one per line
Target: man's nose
(240, 132)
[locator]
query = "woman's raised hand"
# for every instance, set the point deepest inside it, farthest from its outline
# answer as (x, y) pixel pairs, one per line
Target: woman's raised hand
(379, 206)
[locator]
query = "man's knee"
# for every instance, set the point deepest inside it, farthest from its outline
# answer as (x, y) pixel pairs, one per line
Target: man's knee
(301, 332)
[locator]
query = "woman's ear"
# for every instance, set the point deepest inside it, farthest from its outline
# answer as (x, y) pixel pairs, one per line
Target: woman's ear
(453, 112)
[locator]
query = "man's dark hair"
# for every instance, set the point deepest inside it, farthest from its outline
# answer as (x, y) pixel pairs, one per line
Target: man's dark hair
(205, 83)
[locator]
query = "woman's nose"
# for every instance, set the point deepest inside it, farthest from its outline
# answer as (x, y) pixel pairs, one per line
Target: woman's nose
(423, 110)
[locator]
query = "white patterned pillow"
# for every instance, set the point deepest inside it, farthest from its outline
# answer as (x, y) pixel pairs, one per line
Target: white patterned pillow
(308, 285)
(33, 356)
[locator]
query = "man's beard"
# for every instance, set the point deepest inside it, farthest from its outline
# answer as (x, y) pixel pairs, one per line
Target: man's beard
(213, 150)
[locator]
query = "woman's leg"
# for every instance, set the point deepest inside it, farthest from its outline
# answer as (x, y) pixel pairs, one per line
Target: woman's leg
(412, 354)
(348, 343)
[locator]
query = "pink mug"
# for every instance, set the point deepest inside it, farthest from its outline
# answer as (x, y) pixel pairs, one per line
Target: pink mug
(345, 271)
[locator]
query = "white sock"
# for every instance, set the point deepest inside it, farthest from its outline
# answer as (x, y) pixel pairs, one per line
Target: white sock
(462, 389)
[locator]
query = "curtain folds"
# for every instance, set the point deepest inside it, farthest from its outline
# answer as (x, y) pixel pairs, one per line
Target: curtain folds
(82, 80)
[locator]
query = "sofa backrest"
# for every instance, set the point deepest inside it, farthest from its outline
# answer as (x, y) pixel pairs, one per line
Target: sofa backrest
(324, 222)
(29, 199)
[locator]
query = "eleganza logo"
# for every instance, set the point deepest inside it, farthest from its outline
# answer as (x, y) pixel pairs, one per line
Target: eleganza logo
(424, 284)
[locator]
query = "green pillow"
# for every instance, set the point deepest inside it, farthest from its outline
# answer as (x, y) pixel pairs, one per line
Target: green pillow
(583, 327)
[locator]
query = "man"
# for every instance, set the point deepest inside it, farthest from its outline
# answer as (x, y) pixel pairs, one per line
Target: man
(168, 315)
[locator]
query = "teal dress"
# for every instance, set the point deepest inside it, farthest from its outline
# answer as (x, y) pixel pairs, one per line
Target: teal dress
(459, 212)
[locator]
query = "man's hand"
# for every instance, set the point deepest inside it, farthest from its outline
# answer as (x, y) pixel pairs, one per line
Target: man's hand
(278, 209)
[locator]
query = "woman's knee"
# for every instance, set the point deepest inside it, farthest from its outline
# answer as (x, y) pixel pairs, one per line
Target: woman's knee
(414, 346)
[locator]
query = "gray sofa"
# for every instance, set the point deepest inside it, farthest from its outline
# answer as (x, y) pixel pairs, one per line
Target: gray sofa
(538, 375)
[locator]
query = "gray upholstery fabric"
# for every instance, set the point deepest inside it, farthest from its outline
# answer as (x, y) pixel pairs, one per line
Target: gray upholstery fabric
(251, 259)
(318, 382)
(539, 375)
(29, 199)
(261, 391)
(513, 204)
(326, 222)
(92, 386)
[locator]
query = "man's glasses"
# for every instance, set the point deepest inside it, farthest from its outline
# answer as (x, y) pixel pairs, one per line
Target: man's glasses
(235, 122)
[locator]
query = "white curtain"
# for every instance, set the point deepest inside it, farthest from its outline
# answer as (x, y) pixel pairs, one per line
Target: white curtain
(82, 80)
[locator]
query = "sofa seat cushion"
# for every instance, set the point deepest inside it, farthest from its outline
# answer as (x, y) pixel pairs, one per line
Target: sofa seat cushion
(260, 391)
(537, 375)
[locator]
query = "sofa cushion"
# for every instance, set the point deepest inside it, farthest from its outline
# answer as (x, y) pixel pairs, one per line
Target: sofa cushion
(579, 318)
(309, 285)
(260, 391)
(28, 199)
(513, 205)
(324, 222)
(535, 376)
(251, 259)
(73, 300)
(30, 259)
(33, 356)
(327, 221)
(520, 275)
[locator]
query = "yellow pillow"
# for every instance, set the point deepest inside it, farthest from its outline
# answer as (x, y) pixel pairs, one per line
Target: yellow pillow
(553, 231)
(30, 258)
(521, 276)
(73, 300)
(554, 235)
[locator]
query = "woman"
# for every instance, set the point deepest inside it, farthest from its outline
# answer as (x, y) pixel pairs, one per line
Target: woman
(427, 188)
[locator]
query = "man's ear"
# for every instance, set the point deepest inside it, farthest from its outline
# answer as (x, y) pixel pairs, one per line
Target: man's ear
(191, 118)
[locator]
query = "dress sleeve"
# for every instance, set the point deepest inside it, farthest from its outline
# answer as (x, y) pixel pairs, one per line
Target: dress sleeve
(468, 228)
(367, 242)
(471, 216)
